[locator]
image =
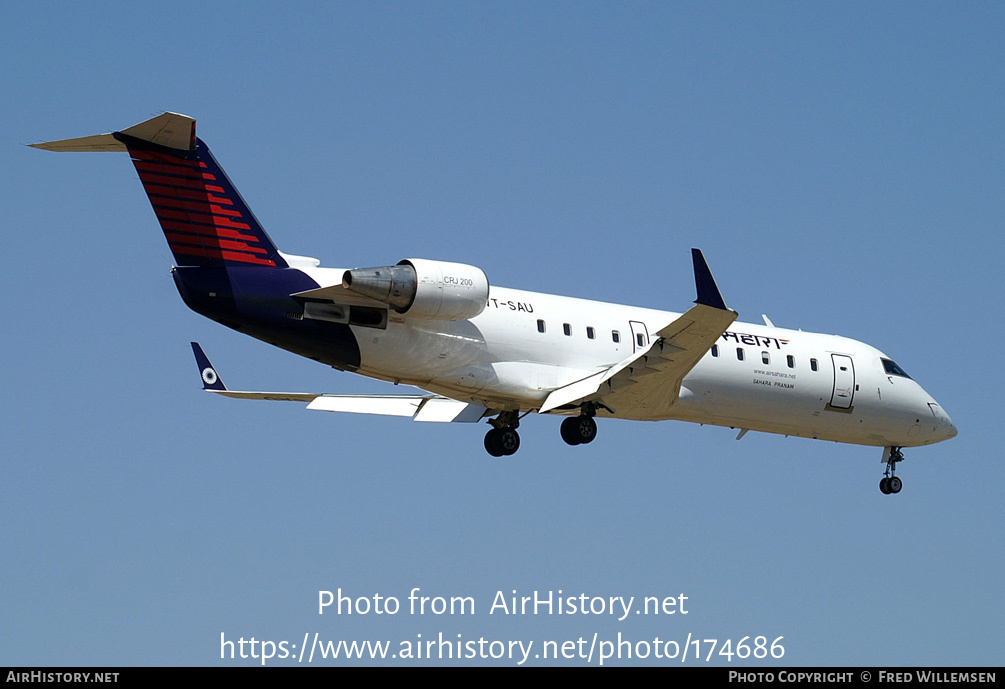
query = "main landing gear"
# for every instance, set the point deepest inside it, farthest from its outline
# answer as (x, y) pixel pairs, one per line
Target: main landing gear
(503, 440)
(582, 429)
(579, 430)
(891, 484)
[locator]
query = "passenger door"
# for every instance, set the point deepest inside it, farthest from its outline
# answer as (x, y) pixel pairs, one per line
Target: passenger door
(844, 382)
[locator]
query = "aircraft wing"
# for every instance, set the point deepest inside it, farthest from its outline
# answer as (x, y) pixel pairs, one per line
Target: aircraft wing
(432, 408)
(648, 383)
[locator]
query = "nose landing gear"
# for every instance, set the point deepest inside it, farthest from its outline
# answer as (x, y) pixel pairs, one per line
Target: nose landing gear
(890, 484)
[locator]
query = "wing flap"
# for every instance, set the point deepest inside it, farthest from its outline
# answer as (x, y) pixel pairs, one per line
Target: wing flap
(648, 383)
(574, 392)
(650, 380)
(271, 396)
(357, 404)
(657, 382)
(445, 410)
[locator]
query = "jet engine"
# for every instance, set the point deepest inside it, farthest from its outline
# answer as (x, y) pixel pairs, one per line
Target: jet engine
(420, 288)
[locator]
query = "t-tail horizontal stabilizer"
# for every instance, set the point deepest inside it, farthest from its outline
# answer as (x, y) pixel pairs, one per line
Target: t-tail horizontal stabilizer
(431, 408)
(204, 219)
(169, 130)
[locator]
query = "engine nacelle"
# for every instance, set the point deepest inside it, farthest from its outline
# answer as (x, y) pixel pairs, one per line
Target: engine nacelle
(420, 288)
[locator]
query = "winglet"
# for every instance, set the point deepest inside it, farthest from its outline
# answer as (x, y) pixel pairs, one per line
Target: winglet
(708, 292)
(210, 379)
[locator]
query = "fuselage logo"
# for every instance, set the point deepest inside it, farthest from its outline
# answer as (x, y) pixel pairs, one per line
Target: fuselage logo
(754, 340)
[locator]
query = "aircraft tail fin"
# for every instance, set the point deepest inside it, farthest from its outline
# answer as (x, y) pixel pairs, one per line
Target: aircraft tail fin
(204, 219)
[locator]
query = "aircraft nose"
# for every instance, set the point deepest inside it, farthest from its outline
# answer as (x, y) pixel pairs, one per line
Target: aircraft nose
(949, 428)
(944, 426)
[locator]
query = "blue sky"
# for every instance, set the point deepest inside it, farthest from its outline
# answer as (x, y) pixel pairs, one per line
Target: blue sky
(841, 167)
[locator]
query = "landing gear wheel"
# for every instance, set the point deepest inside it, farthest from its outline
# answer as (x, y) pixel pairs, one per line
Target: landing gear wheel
(509, 440)
(579, 430)
(884, 486)
(569, 434)
(894, 484)
(492, 445)
(502, 442)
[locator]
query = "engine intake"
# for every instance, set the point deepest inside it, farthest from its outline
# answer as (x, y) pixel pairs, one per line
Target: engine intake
(420, 288)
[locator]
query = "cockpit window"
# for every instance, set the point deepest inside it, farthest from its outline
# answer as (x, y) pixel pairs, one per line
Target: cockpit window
(894, 370)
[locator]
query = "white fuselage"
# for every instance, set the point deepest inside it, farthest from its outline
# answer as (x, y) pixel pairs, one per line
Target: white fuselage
(524, 345)
(504, 352)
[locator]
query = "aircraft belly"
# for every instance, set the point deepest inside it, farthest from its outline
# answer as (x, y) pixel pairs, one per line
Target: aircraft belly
(779, 406)
(418, 354)
(255, 302)
(516, 384)
(454, 358)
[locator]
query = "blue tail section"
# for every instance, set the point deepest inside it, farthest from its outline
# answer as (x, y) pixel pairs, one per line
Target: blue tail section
(226, 267)
(205, 220)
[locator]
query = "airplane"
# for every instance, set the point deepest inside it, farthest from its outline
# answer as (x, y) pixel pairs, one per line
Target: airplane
(478, 351)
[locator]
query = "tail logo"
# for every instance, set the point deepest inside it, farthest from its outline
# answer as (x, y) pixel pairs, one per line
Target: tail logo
(209, 376)
(204, 219)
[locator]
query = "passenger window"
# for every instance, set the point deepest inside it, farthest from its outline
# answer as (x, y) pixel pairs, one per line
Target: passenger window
(813, 364)
(715, 350)
(540, 325)
(591, 333)
(765, 358)
(791, 361)
(567, 328)
(616, 336)
(739, 353)
(641, 339)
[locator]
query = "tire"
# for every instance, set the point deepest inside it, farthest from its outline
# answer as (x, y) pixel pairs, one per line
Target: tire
(492, 444)
(569, 433)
